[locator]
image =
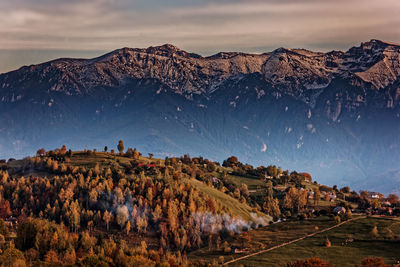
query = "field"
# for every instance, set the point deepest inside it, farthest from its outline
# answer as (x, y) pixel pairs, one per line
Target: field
(266, 237)
(339, 254)
(252, 183)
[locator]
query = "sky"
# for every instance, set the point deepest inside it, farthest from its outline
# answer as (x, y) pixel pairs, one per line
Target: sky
(34, 31)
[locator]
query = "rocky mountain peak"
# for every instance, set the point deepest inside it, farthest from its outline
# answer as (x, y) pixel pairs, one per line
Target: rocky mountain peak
(375, 62)
(170, 50)
(281, 50)
(298, 70)
(294, 71)
(375, 43)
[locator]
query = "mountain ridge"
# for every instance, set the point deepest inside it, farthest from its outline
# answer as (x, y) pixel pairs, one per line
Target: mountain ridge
(189, 73)
(291, 106)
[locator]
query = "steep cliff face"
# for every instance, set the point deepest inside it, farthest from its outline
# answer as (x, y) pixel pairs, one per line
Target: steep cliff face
(334, 114)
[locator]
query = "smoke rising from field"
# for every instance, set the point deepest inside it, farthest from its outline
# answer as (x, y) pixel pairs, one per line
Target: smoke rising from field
(213, 223)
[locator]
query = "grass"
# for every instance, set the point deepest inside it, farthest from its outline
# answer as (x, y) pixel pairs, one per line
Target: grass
(233, 205)
(266, 237)
(83, 159)
(395, 227)
(364, 245)
(252, 183)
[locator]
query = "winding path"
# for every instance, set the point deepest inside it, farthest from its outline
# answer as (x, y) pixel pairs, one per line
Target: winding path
(290, 242)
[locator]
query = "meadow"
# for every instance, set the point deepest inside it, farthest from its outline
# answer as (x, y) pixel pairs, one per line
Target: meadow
(339, 254)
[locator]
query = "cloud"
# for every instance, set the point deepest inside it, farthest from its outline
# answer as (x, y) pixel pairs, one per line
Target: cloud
(201, 26)
(264, 148)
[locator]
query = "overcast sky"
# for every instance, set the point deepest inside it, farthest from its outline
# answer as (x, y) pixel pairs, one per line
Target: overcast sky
(44, 29)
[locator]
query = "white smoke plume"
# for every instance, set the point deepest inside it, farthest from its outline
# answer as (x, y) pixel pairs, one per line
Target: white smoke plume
(213, 223)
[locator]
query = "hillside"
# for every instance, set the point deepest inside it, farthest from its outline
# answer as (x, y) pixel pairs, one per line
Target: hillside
(179, 210)
(119, 163)
(336, 113)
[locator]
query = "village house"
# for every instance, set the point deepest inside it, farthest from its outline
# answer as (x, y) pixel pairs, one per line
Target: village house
(374, 195)
(11, 222)
(215, 180)
(329, 196)
(307, 177)
(339, 210)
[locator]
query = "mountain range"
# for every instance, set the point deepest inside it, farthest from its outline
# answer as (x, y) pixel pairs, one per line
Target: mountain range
(335, 114)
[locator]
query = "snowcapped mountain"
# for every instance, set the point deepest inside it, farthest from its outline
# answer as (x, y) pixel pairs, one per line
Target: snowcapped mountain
(334, 114)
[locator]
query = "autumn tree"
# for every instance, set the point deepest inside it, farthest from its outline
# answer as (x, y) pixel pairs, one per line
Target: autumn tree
(136, 154)
(244, 239)
(141, 224)
(107, 218)
(272, 171)
(70, 256)
(73, 215)
(87, 242)
(122, 215)
(128, 227)
(31, 255)
(54, 166)
(244, 191)
(120, 146)
(231, 161)
(327, 242)
(393, 199)
(271, 204)
(52, 257)
(3, 228)
(172, 215)
(345, 190)
(5, 209)
(274, 209)
(374, 232)
(373, 262)
(63, 150)
(317, 196)
(157, 213)
(41, 152)
(295, 199)
(26, 235)
(12, 257)
(129, 153)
